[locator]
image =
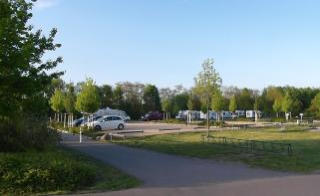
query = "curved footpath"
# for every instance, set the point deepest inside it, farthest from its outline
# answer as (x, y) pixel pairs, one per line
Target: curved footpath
(164, 174)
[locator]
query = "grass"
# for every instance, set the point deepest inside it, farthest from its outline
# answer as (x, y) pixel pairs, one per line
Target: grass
(58, 171)
(306, 156)
(85, 130)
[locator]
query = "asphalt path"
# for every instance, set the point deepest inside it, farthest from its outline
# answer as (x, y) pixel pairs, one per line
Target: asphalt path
(164, 174)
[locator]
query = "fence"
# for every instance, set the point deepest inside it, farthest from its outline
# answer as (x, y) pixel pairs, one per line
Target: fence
(253, 146)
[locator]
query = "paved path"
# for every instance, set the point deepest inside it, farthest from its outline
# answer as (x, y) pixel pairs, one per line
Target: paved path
(174, 175)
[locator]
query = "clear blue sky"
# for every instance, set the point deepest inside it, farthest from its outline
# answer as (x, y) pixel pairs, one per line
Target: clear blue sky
(254, 43)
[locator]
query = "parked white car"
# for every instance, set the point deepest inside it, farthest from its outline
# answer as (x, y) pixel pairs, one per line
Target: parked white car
(109, 122)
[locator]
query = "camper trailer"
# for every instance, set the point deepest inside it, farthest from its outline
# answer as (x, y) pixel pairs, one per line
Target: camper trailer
(188, 114)
(240, 113)
(252, 114)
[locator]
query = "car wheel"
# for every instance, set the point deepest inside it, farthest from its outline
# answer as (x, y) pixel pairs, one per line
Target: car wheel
(97, 128)
(121, 126)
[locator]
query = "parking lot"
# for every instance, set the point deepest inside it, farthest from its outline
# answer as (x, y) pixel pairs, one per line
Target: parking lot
(142, 128)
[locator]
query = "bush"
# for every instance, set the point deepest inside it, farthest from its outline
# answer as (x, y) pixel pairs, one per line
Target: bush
(52, 170)
(24, 133)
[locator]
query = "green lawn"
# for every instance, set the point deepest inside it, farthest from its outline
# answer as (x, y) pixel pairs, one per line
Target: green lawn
(306, 156)
(58, 171)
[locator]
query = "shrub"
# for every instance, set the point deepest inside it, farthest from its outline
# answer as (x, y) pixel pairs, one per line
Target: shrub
(26, 132)
(52, 170)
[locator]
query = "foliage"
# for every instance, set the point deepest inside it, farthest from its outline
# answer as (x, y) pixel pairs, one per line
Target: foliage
(26, 132)
(179, 102)
(57, 170)
(106, 95)
(194, 102)
(69, 99)
(217, 101)
(118, 99)
(88, 99)
(132, 97)
(167, 105)
(207, 81)
(315, 105)
(23, 75)
(25, 79)
(57, 101)
(246, 100)
(277, 105)
(233, 104)
(151, 99)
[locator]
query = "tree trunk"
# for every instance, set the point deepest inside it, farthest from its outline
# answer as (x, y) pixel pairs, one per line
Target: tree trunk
(208, 120)
(64, 120)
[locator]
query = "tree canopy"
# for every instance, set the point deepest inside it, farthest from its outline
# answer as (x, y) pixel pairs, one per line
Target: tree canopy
(151, 99)
(23, 74)
(207, 82)
(88, 99)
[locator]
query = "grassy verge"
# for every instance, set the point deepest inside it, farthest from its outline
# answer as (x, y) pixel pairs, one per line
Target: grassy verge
(306, 157)
(57, 171)
(85, 130)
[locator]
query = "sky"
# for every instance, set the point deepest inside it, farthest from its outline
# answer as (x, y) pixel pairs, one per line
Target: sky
(255, 43)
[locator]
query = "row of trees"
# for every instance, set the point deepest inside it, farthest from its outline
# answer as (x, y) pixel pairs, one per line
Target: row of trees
(87, 97)
(207, 94)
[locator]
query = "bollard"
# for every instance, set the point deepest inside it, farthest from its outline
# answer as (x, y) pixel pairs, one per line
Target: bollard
(80, 135)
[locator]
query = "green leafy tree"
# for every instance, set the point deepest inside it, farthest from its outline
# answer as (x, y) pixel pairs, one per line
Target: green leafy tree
(194, 102)
(23, 75)
(217, 102)
(245, 100)
(88, 100)
(287, 103)
(57, 102)
(151, 99)
(180, 102)
(69, 99)
(277, 106)
(118, 99)
(106, 96)
(315, 105)
(233, 104)
(167, 107)
(206, 83)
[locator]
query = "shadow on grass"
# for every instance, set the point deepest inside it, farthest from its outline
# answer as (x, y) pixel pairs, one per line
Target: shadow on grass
(305, 157)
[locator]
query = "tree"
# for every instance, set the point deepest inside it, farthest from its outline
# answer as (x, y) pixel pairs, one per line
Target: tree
(217, 102)
(257, 106)
(23, 75)
(233, 104)
(206, 83)
(132, 96)
(106, 95)
(287, 103)
(118, 99)
(56, 102)
(194, 102)
(315, 105)
(167, 107)
(245, 100)
(151, 99)
(69, 101)
(180, 102)
(88, 100)
(277, 106)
